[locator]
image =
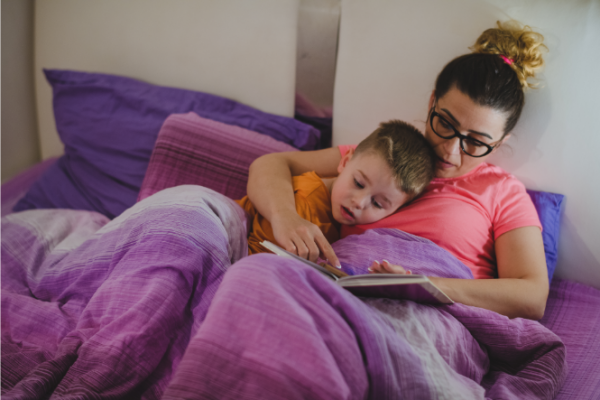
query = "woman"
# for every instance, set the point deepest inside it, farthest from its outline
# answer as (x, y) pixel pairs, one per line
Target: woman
(475, 210)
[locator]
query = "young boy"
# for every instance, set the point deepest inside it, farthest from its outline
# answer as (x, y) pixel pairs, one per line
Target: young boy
(388, 169)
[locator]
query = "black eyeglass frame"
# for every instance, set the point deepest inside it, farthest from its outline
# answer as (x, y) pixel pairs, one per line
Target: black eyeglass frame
(458, 134)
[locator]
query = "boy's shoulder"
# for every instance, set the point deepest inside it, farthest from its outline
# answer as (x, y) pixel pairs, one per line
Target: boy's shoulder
(309, 184)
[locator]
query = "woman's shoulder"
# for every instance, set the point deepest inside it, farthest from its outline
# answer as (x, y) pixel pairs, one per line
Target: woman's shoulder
(488, 184)
(493, 175)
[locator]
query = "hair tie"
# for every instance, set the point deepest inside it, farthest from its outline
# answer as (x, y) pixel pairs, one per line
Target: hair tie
(507, 60)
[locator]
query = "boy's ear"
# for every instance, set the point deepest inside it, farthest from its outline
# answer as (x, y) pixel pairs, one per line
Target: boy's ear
(347, 157)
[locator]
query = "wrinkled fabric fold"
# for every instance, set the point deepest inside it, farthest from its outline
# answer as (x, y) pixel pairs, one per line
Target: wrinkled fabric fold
(277, 329)
(99, 309)
(161, 302)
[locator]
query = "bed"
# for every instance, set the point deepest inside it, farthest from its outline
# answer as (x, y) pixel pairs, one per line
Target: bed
(124, 272)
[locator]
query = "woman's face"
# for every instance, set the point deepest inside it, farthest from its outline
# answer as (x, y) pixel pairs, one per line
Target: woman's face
(470, 119)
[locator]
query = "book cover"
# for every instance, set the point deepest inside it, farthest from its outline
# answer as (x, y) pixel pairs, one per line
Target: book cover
(394, 286)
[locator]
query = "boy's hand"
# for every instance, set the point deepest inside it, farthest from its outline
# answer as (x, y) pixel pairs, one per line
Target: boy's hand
(299, 236)
(386, 268)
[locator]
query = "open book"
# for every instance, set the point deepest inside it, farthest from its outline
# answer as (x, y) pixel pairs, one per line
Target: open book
(393, 286)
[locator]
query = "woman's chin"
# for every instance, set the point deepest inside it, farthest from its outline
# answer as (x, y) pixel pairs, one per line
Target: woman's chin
(446, 173)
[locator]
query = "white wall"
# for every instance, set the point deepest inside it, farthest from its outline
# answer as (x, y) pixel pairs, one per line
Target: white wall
(390, 53)
(19, 130)
(242, 50)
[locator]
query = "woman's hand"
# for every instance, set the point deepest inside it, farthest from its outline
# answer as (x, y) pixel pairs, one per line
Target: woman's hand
(521, 289)
(301, 237)
(385, 267)
(271, 192)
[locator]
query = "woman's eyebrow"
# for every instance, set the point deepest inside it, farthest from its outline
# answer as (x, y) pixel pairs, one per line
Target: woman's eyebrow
(470, 130)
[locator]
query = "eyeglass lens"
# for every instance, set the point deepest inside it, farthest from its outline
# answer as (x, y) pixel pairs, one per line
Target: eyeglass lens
(469, 145)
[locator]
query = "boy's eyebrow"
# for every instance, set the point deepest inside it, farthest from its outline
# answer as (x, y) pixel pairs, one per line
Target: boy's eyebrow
(366, 178)
(458, 124)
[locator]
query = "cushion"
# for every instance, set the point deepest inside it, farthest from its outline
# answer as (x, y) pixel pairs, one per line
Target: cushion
(548, 206)
(195, 150)
(109, 124)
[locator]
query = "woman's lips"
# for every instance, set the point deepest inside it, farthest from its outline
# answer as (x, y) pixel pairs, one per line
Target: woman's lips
(444, 164)
(346, 213)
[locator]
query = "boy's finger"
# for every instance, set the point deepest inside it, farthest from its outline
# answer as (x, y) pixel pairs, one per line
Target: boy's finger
(327, 251)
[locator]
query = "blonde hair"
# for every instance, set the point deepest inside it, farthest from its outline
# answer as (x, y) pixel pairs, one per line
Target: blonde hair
(518, 43)
(406, 151)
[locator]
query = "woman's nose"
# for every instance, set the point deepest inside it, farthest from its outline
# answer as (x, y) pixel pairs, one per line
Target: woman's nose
(452, 146)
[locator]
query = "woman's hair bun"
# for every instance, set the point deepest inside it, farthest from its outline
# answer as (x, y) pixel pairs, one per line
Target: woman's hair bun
(517, 43)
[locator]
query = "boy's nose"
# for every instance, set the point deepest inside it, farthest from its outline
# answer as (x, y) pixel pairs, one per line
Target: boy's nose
(359, 202)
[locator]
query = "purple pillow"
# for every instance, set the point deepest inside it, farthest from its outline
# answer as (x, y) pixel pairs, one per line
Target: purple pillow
(109, 124)
(548, 206)
(199, 151)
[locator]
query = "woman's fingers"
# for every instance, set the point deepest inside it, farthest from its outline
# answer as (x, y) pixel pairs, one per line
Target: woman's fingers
(303, 238)
(375, 267)
(385, 267)
(327, 251)
(301, 248)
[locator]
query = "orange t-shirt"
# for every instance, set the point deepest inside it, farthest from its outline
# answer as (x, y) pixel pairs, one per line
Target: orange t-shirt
(313, 203)
(464, 215)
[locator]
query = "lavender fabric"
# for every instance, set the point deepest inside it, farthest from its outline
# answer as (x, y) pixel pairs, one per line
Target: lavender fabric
(99, 309)
(109, 124)
(195, 150)
(93, 308)
(277, 329)
(573, 313)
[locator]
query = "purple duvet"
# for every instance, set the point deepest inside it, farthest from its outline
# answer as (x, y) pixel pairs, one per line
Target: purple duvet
(129, 308)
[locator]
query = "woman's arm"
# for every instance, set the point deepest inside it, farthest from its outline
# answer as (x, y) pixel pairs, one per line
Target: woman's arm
(271, 192)
(521, 289)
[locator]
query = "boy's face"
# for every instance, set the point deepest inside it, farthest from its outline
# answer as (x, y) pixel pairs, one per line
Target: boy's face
(365, 190)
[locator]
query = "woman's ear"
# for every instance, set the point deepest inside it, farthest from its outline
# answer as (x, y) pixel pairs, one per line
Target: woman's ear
(431, 99)
(505, 138)
(347, 157)
(502, 141)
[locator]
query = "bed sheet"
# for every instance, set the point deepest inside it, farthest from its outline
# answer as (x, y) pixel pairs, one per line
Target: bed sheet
(573, 313)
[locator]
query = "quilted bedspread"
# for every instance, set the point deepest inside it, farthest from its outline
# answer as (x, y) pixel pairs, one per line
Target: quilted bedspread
(129, 308)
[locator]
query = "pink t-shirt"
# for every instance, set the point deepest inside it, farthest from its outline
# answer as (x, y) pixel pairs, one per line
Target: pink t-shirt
(464, 215)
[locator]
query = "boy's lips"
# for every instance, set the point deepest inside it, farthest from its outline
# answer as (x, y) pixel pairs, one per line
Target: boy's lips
(346, 213)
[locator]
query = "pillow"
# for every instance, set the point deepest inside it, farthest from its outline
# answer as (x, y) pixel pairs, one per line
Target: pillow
(195, 150)
(109, 124)
(548, 206)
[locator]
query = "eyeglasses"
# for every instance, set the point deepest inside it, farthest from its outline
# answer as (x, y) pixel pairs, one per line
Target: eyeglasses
(444, 129)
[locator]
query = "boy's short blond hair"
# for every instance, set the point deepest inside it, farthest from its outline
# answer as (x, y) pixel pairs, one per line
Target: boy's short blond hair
(407, 152)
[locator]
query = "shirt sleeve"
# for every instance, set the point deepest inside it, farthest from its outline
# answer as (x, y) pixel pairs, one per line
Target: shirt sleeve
(514, 208)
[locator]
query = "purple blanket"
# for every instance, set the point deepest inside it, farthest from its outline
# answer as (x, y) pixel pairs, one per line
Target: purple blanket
(99, 309)
(120, 309)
